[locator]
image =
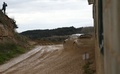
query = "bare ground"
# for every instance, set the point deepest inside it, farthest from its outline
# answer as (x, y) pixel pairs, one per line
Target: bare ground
(50, 59)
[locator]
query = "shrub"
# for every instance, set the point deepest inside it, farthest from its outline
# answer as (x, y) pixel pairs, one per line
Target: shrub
(8, 51)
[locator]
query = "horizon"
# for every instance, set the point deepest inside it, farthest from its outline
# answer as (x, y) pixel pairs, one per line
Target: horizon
(56, 28)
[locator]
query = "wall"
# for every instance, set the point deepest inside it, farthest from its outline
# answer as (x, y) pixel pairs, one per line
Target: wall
(109, 63)
(98, 56)
(111, 21)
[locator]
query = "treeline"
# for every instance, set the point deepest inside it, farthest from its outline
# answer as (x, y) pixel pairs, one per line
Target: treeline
(64, 31)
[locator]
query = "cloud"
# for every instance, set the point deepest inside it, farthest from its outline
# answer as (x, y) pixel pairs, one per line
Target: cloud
(35, 14)
(47, 6)
(52, 17)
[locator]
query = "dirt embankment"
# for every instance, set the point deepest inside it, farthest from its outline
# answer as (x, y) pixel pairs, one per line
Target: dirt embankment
(53, 59)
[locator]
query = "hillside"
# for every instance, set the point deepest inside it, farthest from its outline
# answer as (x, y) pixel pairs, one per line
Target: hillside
(56, 35)
(11, 43)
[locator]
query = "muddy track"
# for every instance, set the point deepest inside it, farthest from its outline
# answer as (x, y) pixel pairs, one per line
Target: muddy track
(30, 59)
(49, 59)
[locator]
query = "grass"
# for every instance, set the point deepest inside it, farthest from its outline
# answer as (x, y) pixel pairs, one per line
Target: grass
(8, 51)
(87, 68)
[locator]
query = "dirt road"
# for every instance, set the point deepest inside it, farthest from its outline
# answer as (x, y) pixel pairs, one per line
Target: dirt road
(44, 60)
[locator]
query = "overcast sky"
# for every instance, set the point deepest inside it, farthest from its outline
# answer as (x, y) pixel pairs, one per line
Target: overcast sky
(49, 14)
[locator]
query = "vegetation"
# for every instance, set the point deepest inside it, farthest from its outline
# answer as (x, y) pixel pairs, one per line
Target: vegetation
(8, 51)
(87, 69)
(14, 23)
(11, 43)
(39, 34)
(55, 35)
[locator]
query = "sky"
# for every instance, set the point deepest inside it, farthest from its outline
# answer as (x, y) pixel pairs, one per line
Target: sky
(49, 14)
